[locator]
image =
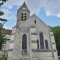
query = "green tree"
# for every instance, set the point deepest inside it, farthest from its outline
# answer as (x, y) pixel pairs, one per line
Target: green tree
(1, 13)
(2, 21)
(56, 31)
(2, 2)
(2, 39)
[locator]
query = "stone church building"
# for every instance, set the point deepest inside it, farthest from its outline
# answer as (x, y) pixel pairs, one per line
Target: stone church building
(31, 38)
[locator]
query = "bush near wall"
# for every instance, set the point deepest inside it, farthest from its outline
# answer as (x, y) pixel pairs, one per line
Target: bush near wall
(3, 58)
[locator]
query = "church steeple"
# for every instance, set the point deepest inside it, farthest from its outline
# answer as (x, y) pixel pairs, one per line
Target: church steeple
(23, 13)
(24, 7)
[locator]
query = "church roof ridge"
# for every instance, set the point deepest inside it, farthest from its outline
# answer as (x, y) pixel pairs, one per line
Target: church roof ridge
(38, 18)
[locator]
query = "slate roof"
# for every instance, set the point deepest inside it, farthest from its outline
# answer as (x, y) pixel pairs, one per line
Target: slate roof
(24, 6)
(6, 31)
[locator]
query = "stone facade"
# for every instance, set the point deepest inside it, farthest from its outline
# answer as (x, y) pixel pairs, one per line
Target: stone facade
(35, 33)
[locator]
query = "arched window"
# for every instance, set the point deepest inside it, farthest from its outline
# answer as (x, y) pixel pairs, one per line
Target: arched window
(41, 41)
(24, 42)
(46, 44)
(38, 44)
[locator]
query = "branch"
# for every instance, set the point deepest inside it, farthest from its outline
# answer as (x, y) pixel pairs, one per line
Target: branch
(3, 20)
(1, 4)
(1, 13)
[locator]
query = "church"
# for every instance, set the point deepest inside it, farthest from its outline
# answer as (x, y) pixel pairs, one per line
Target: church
(31, 38)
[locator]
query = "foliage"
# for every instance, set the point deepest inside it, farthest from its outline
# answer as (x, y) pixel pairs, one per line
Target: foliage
(56, 31)
(2, 38)
(3, 58)
(2, 21)
(2, 2)
(1, 13)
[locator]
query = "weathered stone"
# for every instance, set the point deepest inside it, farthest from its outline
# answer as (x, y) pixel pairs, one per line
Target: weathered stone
(30, 28)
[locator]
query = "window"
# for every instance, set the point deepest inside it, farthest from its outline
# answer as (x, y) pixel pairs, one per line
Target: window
(21, 13)
(25, 14)
(46, 44)
(38, 44)
(35, 21)
(24, 42)
(21, 16)
(25, 17)
(41, 41)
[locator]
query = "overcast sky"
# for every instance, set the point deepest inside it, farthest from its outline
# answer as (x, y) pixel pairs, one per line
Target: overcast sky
(47, 10)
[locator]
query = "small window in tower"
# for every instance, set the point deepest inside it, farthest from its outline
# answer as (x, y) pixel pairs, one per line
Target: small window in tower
(25, 14)
(25, 17)
(21, 13)
(21, 16)
(35, 21)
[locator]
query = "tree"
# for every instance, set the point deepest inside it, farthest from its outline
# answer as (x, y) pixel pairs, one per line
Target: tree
(2, 2)
(56, 31)
(2, 39)
(2, 21)
(1, 13)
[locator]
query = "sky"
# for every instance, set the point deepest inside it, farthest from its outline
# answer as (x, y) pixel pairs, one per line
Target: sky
(47, 10)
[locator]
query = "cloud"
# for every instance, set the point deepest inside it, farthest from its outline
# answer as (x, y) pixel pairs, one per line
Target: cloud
(48, 13)
(7, 27)
(11, 3)
(58, 15)
(35, 5)
(52, 7)
(10, 7)
(8, 14)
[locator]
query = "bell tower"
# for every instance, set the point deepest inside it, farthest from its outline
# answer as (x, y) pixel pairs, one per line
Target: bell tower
(23, 13)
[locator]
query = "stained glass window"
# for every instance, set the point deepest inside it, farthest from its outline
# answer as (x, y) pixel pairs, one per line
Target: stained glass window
(24, 42)
(41, 41)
